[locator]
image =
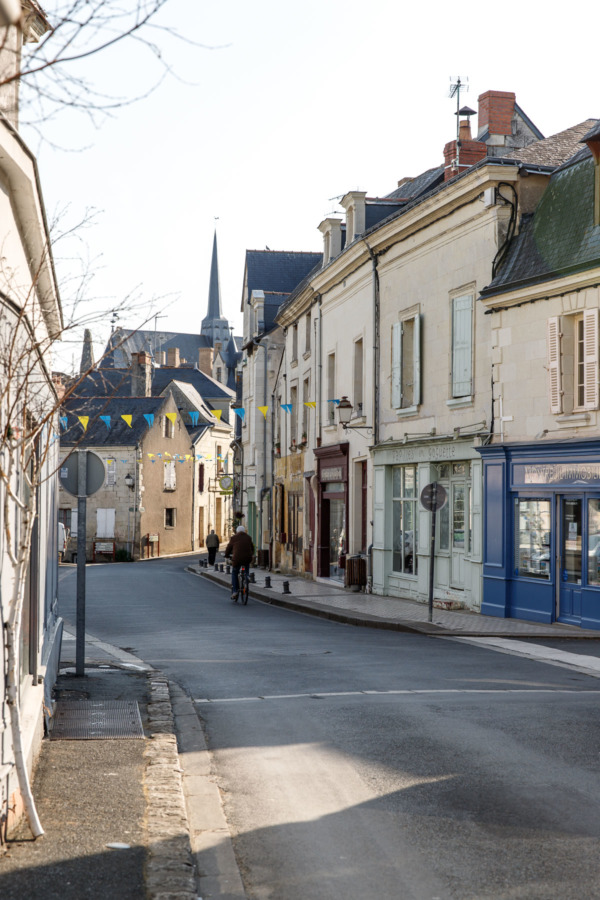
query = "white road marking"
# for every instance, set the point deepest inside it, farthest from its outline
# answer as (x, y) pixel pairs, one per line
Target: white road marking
(437, 691)
(586, 665)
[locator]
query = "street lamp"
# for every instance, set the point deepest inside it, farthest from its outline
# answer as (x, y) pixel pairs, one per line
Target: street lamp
(129, 481)
(344, 409)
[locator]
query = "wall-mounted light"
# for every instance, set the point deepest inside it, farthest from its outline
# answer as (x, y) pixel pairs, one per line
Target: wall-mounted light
(129, 481)
(344, 409)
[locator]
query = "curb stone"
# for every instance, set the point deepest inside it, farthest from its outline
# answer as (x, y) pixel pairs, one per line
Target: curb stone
(170, 871)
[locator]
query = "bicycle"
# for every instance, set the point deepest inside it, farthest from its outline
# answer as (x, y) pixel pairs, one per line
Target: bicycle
(244, 583)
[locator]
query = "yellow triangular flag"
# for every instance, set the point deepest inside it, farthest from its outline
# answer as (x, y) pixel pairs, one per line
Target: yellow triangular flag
(263, 410)
(84, 421)
(187, 456)
(172, 417)
(151, 455)
(167, 454)
(311, 403)
(127, 419)
(217, 413)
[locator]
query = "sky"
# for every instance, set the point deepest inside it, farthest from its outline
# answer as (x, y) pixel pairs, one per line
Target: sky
(271, 112)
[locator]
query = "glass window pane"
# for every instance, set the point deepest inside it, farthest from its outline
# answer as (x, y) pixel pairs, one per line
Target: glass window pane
(458, 516)
(410, 481)
(397, 481)
(532, 538)
(594, 541)
(444, 471)
(443, 524)
(408, 537)
(397, 536)
(571, 533)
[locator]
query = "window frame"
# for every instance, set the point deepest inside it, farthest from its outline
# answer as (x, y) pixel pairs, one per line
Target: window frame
(462, 346)
(399, 371)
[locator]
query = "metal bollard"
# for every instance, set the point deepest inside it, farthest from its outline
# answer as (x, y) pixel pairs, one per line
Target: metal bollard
(221, 568)
(286, 587)
(228, 570)
(252, 578)
(267, 581)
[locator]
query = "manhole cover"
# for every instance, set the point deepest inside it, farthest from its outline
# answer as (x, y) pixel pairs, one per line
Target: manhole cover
(96, 720)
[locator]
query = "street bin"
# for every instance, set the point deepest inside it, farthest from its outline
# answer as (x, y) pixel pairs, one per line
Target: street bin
(356, 572)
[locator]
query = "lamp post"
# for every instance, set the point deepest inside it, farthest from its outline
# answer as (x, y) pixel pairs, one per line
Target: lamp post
(344, 409)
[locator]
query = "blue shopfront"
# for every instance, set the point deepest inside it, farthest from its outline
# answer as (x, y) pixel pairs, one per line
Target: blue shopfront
(541, 536)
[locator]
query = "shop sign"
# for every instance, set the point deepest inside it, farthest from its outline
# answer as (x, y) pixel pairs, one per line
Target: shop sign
(333, 473)
(430, 453)
(557, 473)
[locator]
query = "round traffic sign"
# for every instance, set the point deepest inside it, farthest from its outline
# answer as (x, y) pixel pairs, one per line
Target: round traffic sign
(433, 496)
(69, 473)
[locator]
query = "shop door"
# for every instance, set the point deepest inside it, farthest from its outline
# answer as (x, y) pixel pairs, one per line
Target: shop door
(459, 534)
(569, 562)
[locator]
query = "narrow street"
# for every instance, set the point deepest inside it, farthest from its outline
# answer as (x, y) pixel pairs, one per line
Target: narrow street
(357, 763)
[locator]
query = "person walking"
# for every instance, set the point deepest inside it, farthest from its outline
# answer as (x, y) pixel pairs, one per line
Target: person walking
(212, 545)
(241, 550)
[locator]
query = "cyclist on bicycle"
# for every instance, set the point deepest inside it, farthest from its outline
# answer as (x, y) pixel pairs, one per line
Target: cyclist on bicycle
(241, 550)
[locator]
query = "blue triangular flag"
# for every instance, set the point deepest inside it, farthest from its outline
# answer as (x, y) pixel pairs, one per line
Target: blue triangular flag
(149, 417)
(106, 420)
(194, 417)
(63, 421)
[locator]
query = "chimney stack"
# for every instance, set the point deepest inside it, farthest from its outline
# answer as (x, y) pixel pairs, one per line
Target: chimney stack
(141, 374)
(469, 151)
(496, 109)
(205, 360)
(173, 357)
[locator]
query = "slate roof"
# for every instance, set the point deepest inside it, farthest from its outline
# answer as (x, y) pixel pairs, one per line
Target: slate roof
(556, 149)
(277, 271)
(97, 434)
(107, 382)
(133, 342)
(560, 238)
(414, 187)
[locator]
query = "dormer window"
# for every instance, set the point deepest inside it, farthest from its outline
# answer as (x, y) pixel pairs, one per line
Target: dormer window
(592, 139)
(354, 203)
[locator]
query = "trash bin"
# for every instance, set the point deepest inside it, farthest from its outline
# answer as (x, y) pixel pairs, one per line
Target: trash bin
(356, 572)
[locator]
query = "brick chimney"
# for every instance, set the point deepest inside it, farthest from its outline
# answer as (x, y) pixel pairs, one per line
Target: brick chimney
(141, 374)
(496, 109)
(173, 357)
(470, 152)
(205, 360)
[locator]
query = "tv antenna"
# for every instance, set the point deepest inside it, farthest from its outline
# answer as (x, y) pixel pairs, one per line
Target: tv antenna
(457, 85)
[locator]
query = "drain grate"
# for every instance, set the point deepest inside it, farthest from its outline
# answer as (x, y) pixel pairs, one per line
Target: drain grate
(96, 720)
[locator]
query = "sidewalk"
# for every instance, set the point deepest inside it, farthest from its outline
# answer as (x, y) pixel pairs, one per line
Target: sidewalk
(112, 806)
(326, 599)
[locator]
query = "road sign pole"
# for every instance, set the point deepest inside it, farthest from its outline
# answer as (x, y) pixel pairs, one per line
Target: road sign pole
(81, 552)
(432, 548)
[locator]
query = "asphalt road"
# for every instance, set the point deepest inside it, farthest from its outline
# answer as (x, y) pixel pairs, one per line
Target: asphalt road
(359, 764)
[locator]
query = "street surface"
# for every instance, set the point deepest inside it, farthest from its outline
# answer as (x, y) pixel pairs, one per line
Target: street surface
(358, 764)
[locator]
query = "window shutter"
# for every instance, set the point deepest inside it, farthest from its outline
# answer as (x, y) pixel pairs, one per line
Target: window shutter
(201, 478)
(462, 346)
(111, 472)
(554, 372)
(417, 359)
(170, 476)
(397, 365)
(590, 358)
(105, 523)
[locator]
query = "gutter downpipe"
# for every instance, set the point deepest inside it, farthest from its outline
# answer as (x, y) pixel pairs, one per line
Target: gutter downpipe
(376, 343)
(320, 373)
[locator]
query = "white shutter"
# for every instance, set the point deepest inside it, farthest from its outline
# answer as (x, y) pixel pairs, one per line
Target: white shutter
(170, 477)
(396, 365)
(105, 523)
(111, 472)
(554, 372)
(590, 359)
(74, 523)
(417, 361)
(462, 346)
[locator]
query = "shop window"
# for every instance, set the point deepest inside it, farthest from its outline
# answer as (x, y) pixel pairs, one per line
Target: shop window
(532, 538)
(572, 349)
(406, 362)
(593, 541)
(462, 346)
(404, 511)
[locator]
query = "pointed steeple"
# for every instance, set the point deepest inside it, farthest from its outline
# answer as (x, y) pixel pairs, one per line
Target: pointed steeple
(87, 354)
(214, 326)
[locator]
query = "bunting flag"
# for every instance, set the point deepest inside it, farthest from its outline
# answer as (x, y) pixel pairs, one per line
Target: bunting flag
(127, 420)
(337, 402)
(106, 420)
(263, 410)
(151, 455)
(287, 407)
(153, 460)
(172, 417)
(149, 417)
(167, 454)
(64, 421)
(310, 403)
(217, 413)
(240, 412)
(194, 417)
(84, 421)
(182, 460)
(159, 455)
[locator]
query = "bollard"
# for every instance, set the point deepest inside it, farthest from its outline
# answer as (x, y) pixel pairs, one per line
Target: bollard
(216, 567)
(221, 568)
(251, 578)
(228, 570)
(286, 587)
(267, 581)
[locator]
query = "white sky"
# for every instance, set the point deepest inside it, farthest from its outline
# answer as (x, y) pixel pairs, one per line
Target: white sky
(303, 102)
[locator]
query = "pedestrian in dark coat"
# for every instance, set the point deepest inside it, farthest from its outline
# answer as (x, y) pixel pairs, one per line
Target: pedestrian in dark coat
(212, 545)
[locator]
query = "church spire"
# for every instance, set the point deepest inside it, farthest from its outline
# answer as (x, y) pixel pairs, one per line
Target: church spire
(214, 326)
